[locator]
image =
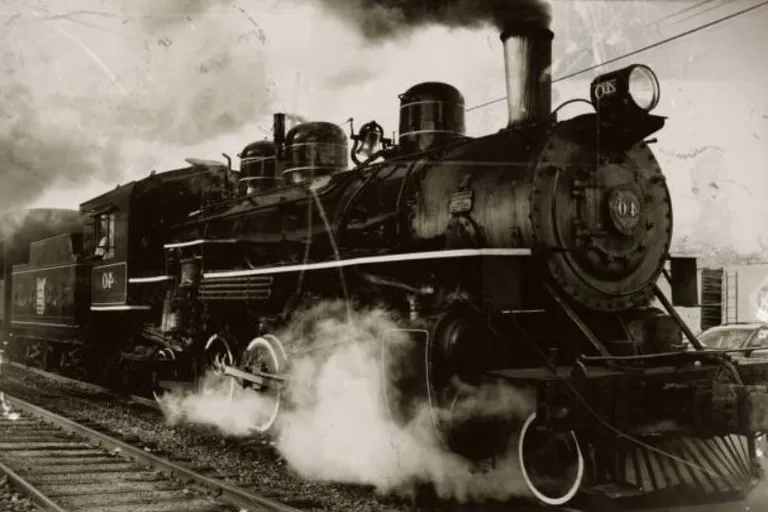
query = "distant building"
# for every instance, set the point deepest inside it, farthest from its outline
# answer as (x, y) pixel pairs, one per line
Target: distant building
(728, 294)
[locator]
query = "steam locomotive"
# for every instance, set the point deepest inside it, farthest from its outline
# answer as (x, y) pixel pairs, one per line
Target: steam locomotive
(531, 256)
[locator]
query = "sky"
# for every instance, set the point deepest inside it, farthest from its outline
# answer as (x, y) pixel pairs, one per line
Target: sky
(99, 92)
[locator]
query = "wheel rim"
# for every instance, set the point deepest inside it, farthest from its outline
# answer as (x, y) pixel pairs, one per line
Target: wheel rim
(266, 354)
(530, 473)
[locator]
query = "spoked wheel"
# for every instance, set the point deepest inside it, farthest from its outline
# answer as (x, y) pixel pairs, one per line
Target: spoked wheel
(217, 352)
(266, 360)
(551, 463)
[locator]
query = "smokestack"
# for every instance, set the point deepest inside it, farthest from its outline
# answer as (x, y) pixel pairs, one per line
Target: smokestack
(527, 60)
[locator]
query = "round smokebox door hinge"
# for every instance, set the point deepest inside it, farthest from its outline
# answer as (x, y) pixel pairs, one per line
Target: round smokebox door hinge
(624, 210)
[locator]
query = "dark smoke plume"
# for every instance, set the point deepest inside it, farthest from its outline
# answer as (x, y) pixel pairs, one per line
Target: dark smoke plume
(380, 20)
(38, 223)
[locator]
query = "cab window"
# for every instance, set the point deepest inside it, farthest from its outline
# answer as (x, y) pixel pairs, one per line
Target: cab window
(104, 235)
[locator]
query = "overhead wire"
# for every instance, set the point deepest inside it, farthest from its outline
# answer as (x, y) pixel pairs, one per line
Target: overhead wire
(711, 8)
(681, 11)
(642, 49)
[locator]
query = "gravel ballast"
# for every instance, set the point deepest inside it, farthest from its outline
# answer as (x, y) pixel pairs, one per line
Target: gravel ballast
(251, 463)
(11, 500)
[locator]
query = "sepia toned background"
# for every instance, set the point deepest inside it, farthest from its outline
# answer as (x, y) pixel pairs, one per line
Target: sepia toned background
(95, 93)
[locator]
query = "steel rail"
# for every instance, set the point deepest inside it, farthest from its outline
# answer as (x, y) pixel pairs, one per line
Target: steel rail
(224, 491)
(32, 492)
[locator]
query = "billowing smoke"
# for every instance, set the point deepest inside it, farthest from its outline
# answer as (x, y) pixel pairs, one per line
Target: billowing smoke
(38, 223)
(337, 427)
(380, 20)
(88, 89)
(38, 149)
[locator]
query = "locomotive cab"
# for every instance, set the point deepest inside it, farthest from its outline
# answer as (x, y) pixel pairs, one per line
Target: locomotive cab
(127, 228)
(107, 246)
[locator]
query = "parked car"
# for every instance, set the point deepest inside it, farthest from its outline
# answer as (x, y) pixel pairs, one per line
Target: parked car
(736, 336)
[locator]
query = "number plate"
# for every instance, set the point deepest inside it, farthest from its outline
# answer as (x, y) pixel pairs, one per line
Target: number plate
(460, 202)
(109, 284)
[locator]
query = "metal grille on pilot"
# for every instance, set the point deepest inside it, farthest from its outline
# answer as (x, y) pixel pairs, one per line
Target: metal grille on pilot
(258, 167)
(313, 150)
(431, 114)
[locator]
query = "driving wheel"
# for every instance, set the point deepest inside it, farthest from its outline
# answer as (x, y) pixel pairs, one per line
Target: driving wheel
(551, 463)
(266, 360)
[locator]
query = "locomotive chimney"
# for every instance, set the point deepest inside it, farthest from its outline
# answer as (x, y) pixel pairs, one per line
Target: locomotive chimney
(527, 44)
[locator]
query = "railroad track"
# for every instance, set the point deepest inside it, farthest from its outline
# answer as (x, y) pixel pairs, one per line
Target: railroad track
(64, 466)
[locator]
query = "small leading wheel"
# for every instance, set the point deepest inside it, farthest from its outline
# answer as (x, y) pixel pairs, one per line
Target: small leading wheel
(551, 463)
(265, 359)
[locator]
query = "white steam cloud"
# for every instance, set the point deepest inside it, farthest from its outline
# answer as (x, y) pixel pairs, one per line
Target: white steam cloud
(337, 427)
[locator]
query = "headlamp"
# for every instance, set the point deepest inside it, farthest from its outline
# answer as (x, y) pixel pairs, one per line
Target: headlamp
(633, 89)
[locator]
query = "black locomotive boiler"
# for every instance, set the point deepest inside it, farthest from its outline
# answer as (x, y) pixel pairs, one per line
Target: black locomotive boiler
(530, 256)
